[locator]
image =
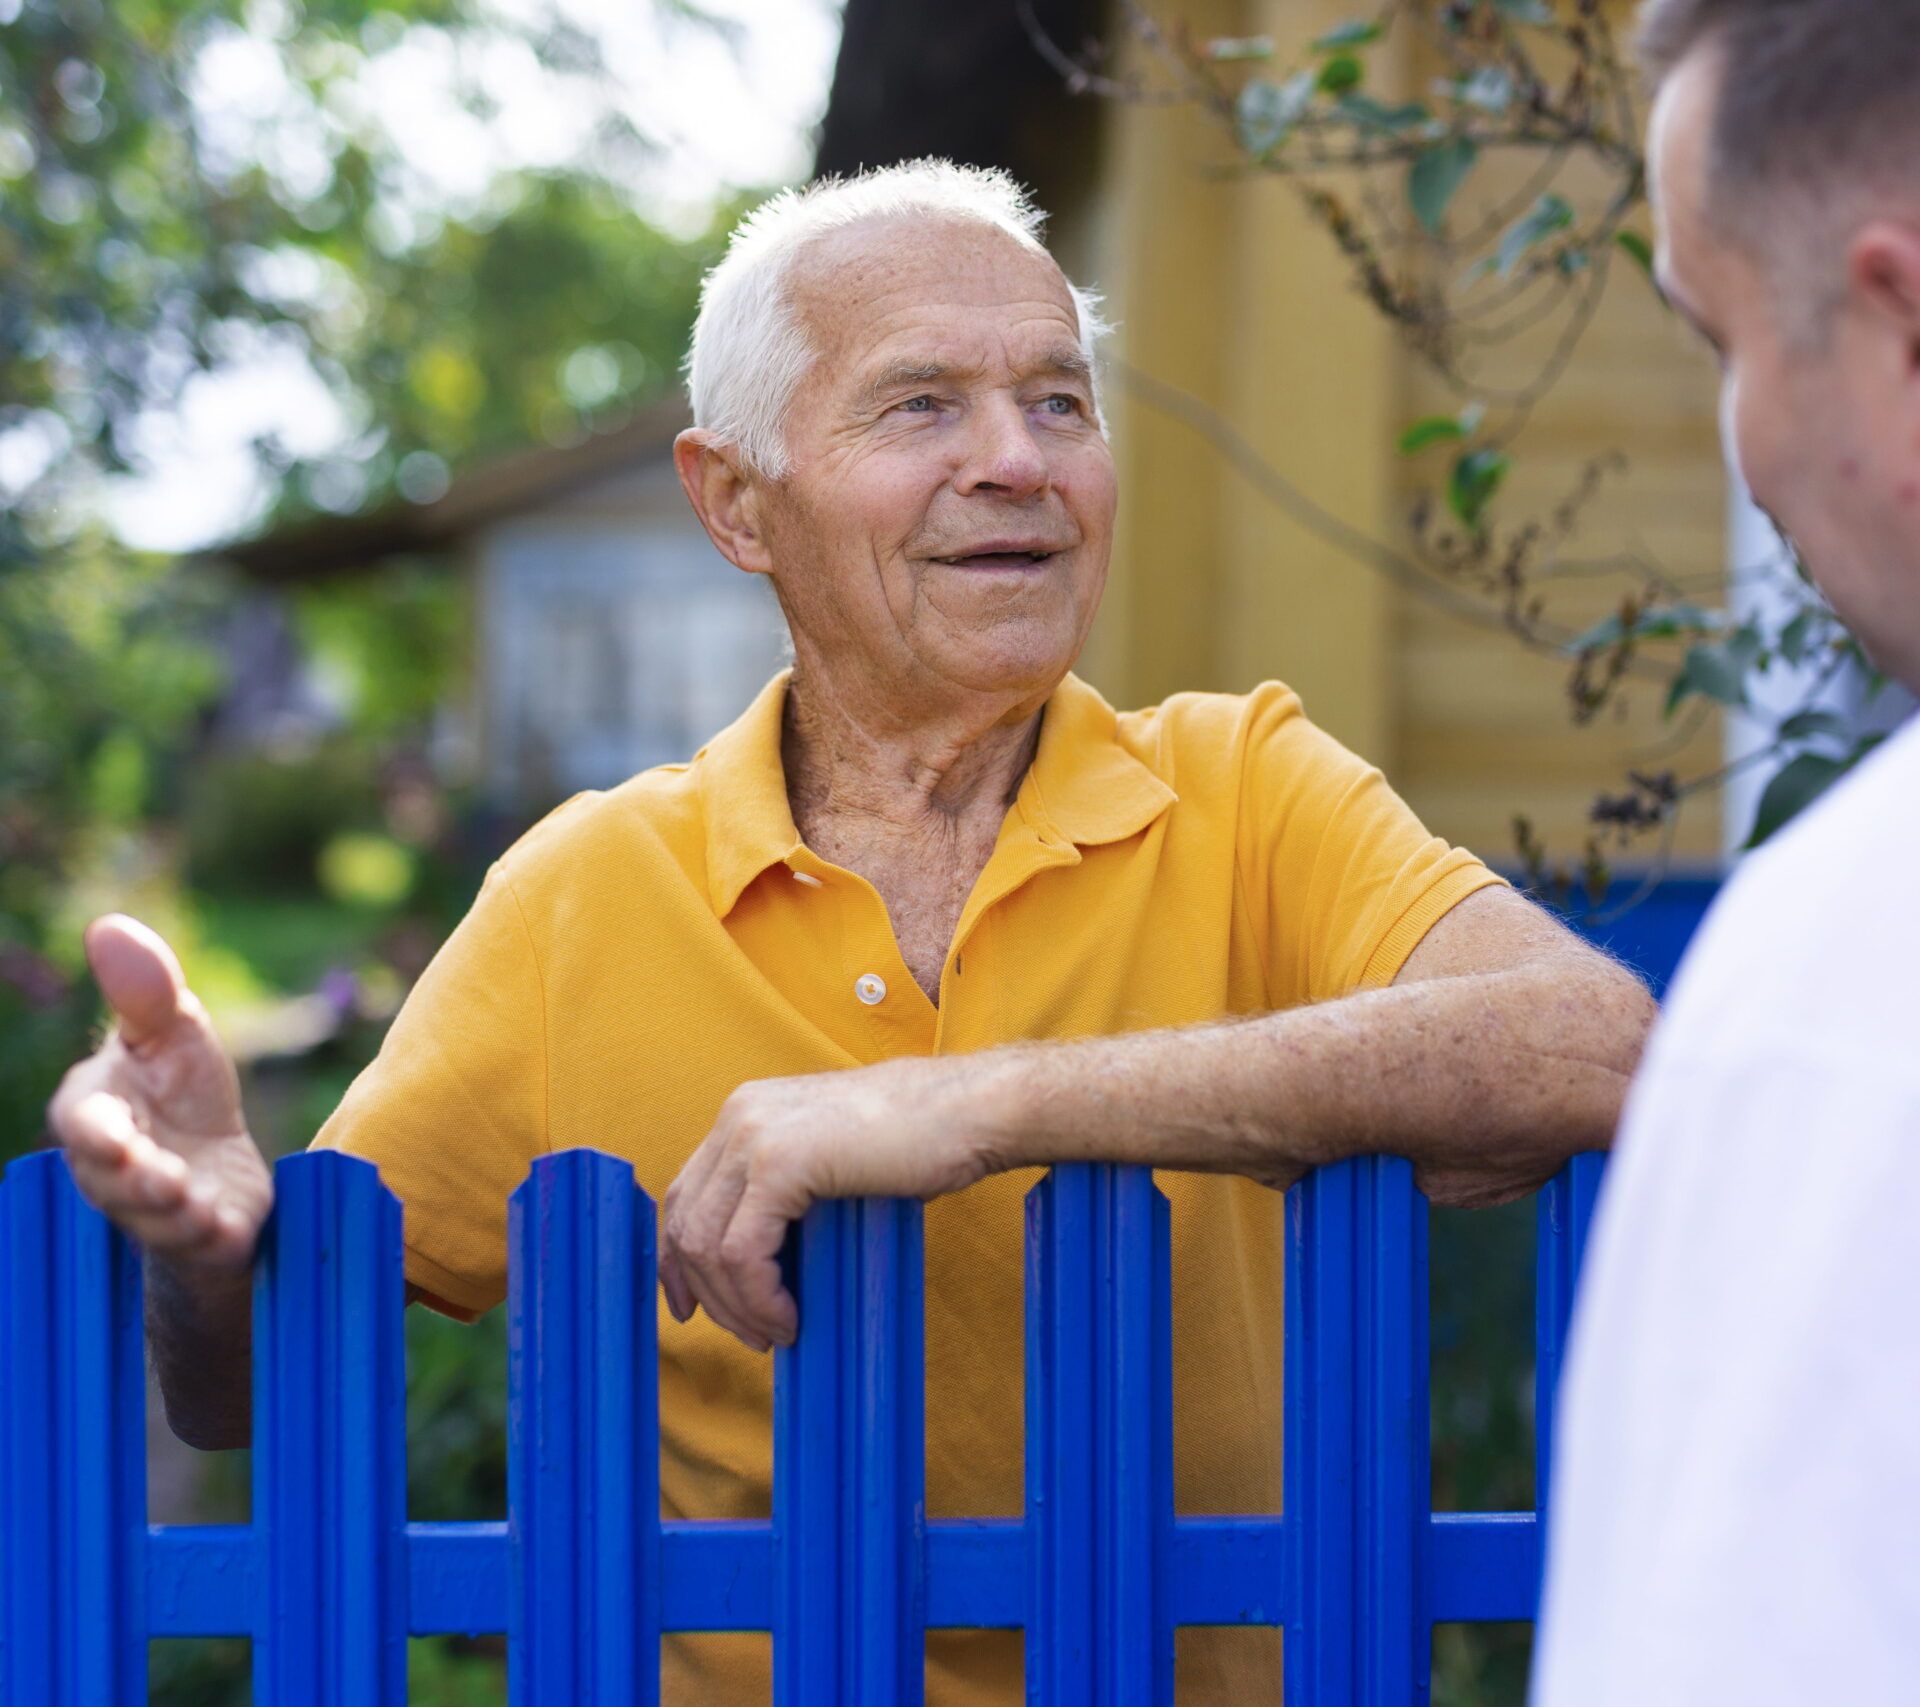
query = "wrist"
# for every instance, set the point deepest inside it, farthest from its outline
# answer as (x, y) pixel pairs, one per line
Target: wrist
(198, 1287)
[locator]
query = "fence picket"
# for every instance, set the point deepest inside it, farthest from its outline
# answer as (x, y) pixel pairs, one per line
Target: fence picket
(73, 1463)
(849, 1503)
(329, 1579)
(1099, 1439)
(329, 1429)
(583, 1436)
(1356, 1475)
(1565, 1218)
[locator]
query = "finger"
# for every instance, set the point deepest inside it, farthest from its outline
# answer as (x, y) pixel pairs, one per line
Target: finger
(103, 1071)
(91, 1122)
(752, 1253)
(132, 1175)
(722, 1315)
(712, 1289)
(155, 1210)
(200, 1221)
(674, 1283)
(138, 974)
(703, 1222)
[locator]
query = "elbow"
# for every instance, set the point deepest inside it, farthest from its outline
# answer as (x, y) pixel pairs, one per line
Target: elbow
(1632, 1013)
(1620, 1014)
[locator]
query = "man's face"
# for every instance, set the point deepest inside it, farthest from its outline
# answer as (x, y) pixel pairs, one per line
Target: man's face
(947, 516)
(1820, 405)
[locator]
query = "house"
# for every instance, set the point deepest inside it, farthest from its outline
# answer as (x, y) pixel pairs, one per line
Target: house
(609, 635)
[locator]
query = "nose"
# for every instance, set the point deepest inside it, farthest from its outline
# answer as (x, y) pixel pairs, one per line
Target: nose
(1002, 455)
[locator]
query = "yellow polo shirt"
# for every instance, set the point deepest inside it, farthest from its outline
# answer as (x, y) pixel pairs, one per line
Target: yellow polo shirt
(643, 951)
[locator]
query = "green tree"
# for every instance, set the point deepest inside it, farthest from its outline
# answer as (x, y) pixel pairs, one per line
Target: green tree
(185, 186)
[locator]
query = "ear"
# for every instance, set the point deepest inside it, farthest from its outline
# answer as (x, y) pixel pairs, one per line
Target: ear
(725, 496)
(1883, 269)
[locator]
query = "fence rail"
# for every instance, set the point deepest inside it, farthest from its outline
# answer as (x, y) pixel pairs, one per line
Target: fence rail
(329, 1579)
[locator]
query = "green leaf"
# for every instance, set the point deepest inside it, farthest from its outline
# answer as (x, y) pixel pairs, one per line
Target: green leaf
(1355, 34)
(1795, 636)
(1436, 175)
(1266, 112)
(1794, 787)
(1226, 48)
(1370, 114)
(1551, 213)
(1816, 726)
(1429, 431)
(1477, 475)
(1638, 247)
(1341, 73)
(1716, 669)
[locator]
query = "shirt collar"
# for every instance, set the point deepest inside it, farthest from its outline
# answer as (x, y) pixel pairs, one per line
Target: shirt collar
(1082, 783)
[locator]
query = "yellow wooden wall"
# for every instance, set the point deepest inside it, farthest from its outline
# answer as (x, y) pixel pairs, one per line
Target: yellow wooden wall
(1223, 289)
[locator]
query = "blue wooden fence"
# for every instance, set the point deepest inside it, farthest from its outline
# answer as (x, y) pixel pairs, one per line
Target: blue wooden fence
(329, 1579)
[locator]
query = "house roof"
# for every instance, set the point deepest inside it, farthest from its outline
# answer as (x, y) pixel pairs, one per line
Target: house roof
(502, 486)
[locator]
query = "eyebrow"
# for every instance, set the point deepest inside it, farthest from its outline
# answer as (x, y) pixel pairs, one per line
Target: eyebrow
(1065, 361)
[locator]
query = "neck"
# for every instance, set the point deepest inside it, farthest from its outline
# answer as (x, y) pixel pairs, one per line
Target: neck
(848, 756)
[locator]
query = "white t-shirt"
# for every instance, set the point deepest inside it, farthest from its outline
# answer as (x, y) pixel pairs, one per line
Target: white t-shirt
(1736, 1499)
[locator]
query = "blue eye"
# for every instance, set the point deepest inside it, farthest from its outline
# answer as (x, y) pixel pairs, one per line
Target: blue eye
(913, 403)
(1072, 403)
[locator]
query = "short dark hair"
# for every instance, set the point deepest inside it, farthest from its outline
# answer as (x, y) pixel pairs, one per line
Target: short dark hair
(1808, 88)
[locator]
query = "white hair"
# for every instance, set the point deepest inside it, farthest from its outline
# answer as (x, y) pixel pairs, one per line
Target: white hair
(750, 351)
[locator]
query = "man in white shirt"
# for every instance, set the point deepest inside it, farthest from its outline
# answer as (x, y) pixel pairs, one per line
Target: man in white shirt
(1736, 1505)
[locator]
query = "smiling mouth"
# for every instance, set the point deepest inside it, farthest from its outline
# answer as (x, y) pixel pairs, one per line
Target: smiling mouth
(999, 560)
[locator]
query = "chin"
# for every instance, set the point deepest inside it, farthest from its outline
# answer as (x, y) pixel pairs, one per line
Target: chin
(1019, 669)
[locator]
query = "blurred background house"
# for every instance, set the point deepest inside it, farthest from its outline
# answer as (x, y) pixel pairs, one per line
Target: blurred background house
(605, 632)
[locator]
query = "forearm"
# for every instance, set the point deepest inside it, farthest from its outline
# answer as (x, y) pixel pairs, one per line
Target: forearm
(1518, 1068)
(200, 1331)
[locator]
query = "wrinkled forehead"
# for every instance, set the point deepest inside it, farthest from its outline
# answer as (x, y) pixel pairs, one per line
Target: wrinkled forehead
(897, 280)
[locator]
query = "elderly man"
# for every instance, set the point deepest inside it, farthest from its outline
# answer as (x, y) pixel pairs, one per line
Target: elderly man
(927, 918)
(1737, 1493)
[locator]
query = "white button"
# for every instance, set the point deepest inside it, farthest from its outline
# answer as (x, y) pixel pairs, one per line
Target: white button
(871, 988)
(808, 879)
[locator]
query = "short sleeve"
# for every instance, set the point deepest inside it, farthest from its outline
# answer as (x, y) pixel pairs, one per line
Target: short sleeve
(453, 1109)
(1340, 878)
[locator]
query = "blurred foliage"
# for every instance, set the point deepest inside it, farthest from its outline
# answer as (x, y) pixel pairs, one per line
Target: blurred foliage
(150, 232)
(1492, 279)
(104, 667)
(192, 188)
